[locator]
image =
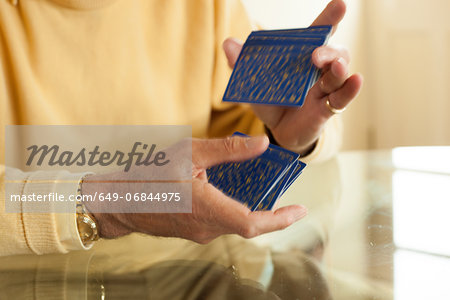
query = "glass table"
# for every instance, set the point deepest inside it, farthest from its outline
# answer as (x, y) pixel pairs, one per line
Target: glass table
(378, 228)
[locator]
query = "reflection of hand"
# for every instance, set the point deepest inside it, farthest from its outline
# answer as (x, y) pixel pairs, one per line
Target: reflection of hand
(298, 129)
(213, 213)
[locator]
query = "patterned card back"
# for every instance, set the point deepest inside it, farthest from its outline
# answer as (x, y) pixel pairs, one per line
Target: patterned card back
(258, 182)
(275, 67)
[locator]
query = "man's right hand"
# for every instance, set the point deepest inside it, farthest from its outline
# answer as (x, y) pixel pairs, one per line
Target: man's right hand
(213, 213)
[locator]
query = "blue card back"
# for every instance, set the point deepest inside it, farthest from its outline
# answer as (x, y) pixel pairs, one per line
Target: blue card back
(275, 67)
(258, 182)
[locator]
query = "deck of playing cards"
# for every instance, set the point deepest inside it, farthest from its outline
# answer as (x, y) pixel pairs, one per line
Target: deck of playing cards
(259, 182)
(275, 66)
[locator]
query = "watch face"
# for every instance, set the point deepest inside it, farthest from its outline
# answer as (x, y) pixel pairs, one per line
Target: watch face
(87, 229)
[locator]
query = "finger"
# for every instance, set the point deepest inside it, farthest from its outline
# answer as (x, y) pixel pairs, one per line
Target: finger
(325, 55)
(207, 153)
(234, 217)
(261, 222)
(217, 213)
(334, 78)
(232, 48)
(343, 96)
(331, 15)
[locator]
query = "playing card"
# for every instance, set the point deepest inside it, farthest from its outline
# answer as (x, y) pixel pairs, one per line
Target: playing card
(323, 30)
(277, 190)
(275, 67)
(258, 182)
(295, 174)
(248, 182)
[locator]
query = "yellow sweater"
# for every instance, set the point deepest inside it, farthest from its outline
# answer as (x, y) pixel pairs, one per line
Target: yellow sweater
(89, 62)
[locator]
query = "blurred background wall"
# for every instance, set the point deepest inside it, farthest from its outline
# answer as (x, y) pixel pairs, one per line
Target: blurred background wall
(402, 48)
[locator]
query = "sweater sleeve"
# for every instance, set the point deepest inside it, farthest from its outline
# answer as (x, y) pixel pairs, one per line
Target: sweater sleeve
(226, 118)
(24, 232)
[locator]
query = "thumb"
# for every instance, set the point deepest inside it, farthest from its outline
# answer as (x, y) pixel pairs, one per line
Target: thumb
(332, 14)
(207, 153)
(232, 48)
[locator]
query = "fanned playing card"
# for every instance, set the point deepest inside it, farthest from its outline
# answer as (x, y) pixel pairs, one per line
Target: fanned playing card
(275, 66)
(322, 30)
(282, 186)
(258, 182)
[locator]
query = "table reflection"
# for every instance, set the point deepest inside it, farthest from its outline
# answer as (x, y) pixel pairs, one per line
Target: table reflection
(377, 229)
(188, 272)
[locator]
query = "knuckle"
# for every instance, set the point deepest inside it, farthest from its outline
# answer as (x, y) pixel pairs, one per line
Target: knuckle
(325, 82)
(230, 144)
(206, 241)
(287, 222)
(199, 237)
(248, 232)
(203, 239)
(201, 242)
(317, 50)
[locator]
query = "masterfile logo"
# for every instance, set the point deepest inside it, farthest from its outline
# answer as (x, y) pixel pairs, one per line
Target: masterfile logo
(53, 155)
(129, 169)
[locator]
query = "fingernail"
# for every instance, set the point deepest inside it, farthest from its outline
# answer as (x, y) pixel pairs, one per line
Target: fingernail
(301, 213)
(256, 142)
(342, 61)
(322, 55)
(335, 4)
(344, 64)
(236, 41)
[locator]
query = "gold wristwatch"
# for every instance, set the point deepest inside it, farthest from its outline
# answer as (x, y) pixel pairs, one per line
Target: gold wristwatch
(86, 223)
(87, 228)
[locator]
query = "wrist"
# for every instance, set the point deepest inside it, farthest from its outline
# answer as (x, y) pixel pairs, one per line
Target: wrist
(109, 225)
(307, 150)
(303, 151)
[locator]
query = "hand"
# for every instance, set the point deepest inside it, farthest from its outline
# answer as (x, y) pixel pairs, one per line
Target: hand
(297, 129)
(213, 213)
